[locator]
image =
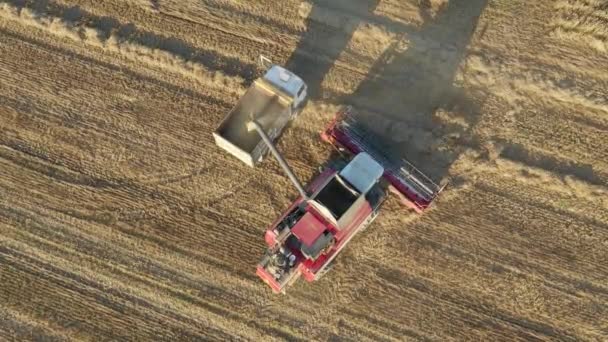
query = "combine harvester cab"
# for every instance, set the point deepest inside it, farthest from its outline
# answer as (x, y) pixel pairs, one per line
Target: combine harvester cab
(415, 189)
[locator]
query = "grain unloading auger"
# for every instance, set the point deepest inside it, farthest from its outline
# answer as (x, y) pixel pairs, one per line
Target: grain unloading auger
(340, 202)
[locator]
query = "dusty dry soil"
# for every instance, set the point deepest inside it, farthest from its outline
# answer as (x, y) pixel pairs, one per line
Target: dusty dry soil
(121, 220)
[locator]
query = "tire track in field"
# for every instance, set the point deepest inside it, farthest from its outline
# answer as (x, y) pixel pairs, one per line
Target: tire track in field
(80, 244)
(95, 126)
(173, 218)
(114, 265)
(119, 235)
(126, 184)
(92, 295)
(14, 325)
(128, 39)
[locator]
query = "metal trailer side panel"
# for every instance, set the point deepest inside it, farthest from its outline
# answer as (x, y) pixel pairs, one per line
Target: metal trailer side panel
(271, 108)
(233, 149)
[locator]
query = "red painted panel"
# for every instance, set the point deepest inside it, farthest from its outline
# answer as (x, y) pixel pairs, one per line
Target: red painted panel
(308, 229)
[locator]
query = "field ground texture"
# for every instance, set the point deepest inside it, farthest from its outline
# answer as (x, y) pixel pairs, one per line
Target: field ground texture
(120, 218)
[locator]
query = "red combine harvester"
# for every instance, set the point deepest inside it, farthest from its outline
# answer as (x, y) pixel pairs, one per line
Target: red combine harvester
(340, 202)
(343, 201)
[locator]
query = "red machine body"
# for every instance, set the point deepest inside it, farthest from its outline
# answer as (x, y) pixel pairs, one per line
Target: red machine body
(308, 236)
(340, 202)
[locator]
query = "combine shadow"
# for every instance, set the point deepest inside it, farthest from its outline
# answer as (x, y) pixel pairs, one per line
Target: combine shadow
(409, 84)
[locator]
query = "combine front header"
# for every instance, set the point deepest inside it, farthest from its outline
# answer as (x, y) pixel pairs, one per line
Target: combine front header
(414, 188)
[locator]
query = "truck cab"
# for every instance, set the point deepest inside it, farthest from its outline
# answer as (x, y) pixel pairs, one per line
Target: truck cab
(289, 83)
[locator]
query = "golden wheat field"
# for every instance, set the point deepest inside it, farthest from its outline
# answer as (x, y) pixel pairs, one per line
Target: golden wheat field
(120, 219)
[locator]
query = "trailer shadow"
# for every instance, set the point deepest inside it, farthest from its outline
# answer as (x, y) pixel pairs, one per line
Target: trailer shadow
(409, 87)
(325, 39)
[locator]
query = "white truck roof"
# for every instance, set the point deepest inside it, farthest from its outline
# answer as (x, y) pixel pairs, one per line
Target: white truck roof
(284, 79)
(362, 172)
